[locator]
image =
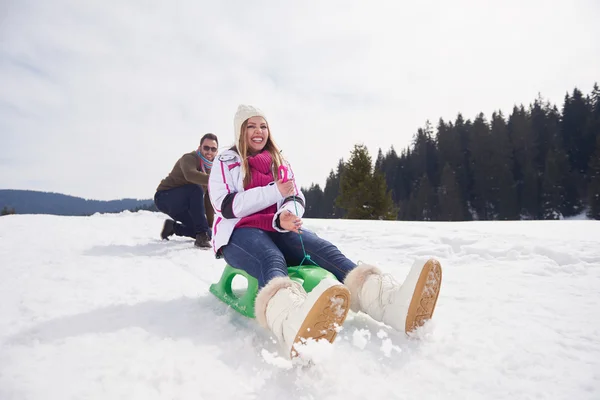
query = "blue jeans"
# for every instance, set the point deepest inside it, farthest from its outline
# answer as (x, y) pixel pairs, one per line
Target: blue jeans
(185, 204)
(266, 255)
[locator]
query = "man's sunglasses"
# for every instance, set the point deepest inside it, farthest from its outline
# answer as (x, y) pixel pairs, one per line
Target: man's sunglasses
(208, 148)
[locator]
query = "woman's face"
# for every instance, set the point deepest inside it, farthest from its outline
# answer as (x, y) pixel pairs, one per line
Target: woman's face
(257, 134)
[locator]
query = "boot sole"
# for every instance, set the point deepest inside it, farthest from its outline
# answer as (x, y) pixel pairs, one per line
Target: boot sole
(327, 314)
(425, 296)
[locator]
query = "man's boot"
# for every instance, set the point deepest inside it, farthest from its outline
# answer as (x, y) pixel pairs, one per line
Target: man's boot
(168, 229)
(202, 240)
(403, 307)
(284, 307)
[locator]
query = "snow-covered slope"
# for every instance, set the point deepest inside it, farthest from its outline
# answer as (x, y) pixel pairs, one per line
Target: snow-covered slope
(99, 308)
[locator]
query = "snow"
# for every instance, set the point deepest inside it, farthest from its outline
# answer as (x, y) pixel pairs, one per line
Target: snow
(99, 308)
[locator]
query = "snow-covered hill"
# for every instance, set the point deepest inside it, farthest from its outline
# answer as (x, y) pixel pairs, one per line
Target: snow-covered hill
(99, 308)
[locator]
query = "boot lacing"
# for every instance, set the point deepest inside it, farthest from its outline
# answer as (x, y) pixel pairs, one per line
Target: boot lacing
(296, 298)
(298, 295)
(388, 286)
(292, 298)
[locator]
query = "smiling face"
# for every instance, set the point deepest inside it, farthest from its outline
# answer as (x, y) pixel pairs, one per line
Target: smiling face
(257, 134)
(208, 148)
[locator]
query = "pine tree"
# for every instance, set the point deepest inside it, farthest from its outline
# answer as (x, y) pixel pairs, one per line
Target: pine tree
(363, 193)
(379, 161)
(464, 175)
(526, 175)
(594, 185)
(450, 203)
(504, 190)
(451, 153)
(331, 192)
(484, 175)
(425, 154)
(389, 167)
(553, 189)
(593, 126)
(593, 131)
(578, 145)
(424, 201)
(354, 197)
(314, 201)
(453, 143)
(542, 131)
(403, 183)
(383, 205)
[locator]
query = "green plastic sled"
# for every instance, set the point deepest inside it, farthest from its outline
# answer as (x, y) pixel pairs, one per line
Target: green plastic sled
(308, 275)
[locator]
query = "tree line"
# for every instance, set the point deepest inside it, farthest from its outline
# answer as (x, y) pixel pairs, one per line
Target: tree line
(36, 202)
(7, 211)
(539, 162)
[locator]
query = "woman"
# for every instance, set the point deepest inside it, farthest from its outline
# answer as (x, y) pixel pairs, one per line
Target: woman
(257, 227)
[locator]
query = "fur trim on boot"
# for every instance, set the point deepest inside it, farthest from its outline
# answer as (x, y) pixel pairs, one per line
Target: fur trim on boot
(354, 282)
(265, 294)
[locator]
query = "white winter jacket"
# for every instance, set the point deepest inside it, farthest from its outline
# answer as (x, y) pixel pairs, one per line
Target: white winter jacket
(231, 202)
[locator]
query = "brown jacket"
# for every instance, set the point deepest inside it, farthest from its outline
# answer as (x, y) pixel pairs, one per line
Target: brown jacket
(188, 169)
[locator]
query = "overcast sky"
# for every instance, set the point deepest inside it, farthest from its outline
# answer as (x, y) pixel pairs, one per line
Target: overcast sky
(99, 98)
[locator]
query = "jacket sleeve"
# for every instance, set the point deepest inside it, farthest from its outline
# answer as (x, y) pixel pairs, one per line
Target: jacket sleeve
(294, 204)
(190, 172)
(231, 203)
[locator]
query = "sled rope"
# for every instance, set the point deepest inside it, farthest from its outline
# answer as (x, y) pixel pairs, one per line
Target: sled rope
(306, 255)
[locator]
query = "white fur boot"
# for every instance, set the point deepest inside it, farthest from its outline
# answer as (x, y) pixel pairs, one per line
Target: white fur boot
(403, 307)
(283, 307)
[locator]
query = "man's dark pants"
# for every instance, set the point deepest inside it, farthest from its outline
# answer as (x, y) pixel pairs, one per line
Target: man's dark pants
(185, 204)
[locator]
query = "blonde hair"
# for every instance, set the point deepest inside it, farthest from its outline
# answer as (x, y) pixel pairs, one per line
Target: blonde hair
(271, 147)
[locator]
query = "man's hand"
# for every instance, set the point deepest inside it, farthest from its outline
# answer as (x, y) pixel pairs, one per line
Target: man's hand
(291, 222)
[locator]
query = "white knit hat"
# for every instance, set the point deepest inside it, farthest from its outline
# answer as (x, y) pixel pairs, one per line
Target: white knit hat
(244, 112)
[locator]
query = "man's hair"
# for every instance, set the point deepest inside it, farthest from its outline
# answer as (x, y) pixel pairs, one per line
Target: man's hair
(209, 136)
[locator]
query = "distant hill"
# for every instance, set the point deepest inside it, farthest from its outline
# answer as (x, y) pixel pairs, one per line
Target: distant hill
(34, 202)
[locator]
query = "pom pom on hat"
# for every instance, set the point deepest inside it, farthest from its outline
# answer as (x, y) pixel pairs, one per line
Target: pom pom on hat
(244, 112)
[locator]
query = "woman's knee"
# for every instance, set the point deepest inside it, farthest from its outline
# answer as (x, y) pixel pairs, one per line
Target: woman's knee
(254, 252)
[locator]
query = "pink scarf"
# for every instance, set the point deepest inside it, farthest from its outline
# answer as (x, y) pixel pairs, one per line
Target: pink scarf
(261, 174)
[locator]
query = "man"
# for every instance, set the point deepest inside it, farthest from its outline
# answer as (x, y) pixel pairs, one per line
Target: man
(183, 195)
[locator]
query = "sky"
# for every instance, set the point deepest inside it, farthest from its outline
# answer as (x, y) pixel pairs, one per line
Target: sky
(103, 309)
(99, 98)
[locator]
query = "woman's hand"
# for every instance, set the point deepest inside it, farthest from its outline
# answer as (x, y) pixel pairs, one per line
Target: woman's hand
(291, 222)
(286, 189)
